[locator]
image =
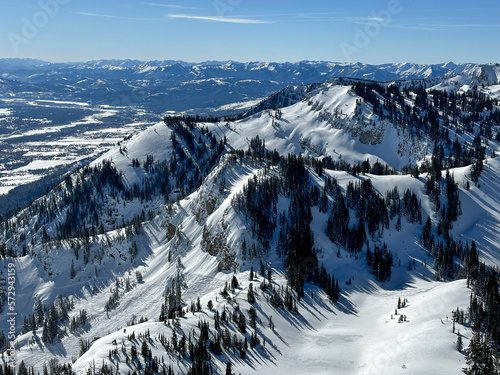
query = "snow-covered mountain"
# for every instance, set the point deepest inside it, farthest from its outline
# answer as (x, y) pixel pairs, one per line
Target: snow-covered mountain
(181, 86)
(333, 121)
(483, 75)
(42, 104)
(334, 228)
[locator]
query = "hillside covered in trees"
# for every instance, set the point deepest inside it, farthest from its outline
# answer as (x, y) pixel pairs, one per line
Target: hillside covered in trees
(206, 244)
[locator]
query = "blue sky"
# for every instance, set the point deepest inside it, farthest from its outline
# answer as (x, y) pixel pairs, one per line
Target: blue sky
(369, 31)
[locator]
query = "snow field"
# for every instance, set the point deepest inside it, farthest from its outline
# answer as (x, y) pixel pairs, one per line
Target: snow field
(354, 336)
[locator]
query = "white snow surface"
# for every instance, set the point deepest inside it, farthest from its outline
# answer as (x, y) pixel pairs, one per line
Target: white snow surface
(327, 124)
(482, 76)
(154, 141)
(354, 336)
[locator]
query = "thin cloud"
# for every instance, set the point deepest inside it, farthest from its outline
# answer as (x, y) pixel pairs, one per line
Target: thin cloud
(174, 6)
(301, 17)
(442, 26)
(111, 16)
(320, 17)
(365, 19)
(422, 27)
(217, 19)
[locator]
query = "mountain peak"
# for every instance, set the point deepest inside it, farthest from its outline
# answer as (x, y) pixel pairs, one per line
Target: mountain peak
(450, 65)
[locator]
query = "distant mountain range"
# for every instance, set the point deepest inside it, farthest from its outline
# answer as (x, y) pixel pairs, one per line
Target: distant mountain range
(204, 87)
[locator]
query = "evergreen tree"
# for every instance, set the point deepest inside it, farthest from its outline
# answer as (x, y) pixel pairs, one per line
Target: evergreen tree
(198, 304)
(262, 271)
(3, 342)
(234, 283)
(242, 323)
(453, 198)
(252, 316)
(39, 313)
(145, 349)
(72, 272)
(479, 358)
(22, 369)
(251, 294)
(49, 332)
(475, 171)
(460, 344)
(427, 239)
(133, 352)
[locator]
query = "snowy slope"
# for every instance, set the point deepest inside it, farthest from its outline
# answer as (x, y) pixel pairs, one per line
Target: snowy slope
(332, 121)
(481, 207)
(154, 141)
(365, 340)
(355, 336)
(482, 75)
(359, 334)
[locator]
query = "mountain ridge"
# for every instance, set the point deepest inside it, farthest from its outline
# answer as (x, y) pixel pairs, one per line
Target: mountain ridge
(182, 214)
